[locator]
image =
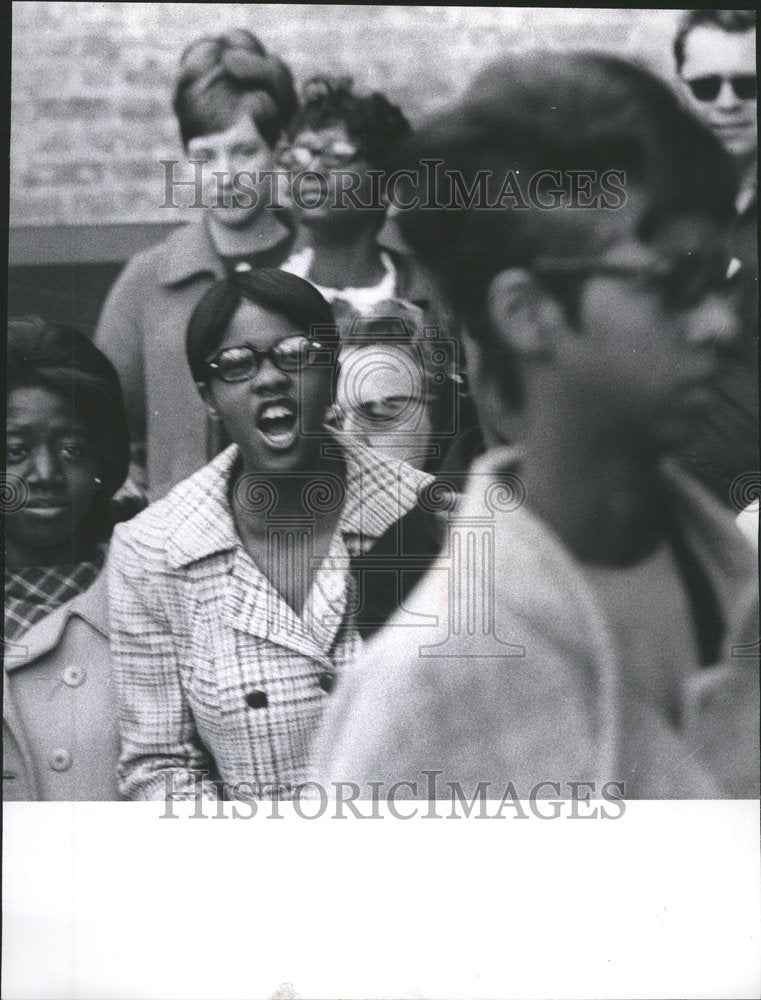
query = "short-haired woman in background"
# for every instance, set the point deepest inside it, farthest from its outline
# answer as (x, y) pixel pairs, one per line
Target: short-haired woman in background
(232, 101)
(67, 453)
(231, 599)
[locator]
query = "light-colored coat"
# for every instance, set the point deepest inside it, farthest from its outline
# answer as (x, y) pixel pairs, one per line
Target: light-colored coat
(218, 677)
(549, 707)
(60, 737)
(142, 330)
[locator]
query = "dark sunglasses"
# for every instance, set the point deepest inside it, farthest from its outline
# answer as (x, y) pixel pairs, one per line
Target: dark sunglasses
(239, 364)
(338, 154)
(708, 88)
(682, 280)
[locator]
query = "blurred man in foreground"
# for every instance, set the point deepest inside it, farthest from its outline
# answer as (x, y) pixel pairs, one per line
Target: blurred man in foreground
(596, 606)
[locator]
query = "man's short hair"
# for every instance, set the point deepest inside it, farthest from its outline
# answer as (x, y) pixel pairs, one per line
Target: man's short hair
(576, 111)
(733, 21)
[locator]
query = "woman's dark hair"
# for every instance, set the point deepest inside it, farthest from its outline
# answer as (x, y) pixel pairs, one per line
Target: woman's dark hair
(65, 361)
(224, 76)
(276, 291)
(376, 125)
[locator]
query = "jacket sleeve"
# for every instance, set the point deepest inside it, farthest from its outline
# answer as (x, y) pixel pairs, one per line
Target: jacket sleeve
(162, 755)
(119, 335)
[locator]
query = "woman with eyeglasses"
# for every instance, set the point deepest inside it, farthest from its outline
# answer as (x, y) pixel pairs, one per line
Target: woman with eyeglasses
(231, 599)
(232, 100)
(397, 390)
(67, 453)
(341, 148)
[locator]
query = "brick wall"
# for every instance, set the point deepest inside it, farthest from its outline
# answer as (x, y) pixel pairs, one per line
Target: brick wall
(92, 81)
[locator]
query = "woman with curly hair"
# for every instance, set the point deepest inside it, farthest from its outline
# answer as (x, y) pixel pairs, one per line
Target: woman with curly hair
(67, 453)
(232, 101)
(342, 145)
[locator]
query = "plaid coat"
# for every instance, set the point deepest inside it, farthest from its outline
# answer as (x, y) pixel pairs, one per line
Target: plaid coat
(219, 680)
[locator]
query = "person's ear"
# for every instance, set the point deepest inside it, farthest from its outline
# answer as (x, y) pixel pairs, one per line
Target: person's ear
(206, 395)
(523, 313)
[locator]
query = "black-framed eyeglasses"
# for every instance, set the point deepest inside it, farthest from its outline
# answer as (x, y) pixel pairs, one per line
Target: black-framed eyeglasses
(337, 154)
(682, 280)
(708, 88)
(242, 362)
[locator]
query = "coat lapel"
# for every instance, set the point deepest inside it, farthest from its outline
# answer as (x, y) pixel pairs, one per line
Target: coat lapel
(252, 605)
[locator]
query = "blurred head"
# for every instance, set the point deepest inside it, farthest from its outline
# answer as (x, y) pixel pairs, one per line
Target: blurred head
(233, 101)
(621, 302)
(262, 349)
(395, 388)
(715, 53)
(336, 141)
(67, 442)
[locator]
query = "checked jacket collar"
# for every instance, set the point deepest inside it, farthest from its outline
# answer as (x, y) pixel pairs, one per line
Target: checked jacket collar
(377, 491)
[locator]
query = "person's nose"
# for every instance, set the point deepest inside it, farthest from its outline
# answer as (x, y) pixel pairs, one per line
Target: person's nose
(269, 378)
(714, 322)
(726, 99)
(316, 165)
(313, 159)
(45, 468)
(224, 166)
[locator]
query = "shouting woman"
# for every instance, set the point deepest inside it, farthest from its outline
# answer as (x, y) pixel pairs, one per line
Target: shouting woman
(232, 599)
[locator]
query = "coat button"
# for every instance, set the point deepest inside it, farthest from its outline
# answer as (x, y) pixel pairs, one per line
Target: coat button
(327, 681)
(256, 699)
(74, 676)
(60, 760)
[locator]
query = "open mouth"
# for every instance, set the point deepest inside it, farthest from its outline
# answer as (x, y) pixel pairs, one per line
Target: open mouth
(276, 422)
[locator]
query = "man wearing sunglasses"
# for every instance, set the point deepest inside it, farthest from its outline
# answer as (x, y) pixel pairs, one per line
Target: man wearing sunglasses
(601, 605)
(715, 57)
(715, 52)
